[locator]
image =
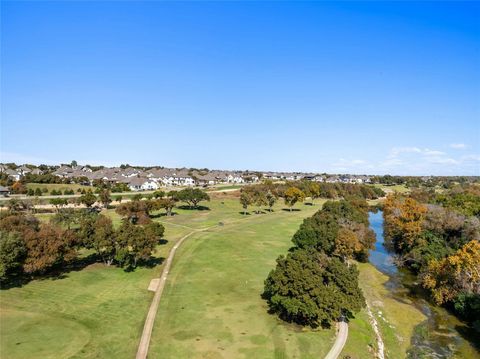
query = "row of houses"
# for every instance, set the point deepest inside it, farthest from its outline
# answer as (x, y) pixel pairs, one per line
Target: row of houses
(138, 179)
(152, 179)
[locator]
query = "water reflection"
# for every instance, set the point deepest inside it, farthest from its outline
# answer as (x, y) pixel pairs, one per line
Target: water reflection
(442, 335)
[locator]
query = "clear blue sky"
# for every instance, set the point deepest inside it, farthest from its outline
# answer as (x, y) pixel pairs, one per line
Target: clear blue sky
(337, 87)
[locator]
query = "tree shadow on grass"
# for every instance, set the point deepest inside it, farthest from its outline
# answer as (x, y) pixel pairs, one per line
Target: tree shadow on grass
(56, 273)
(149, 263)
(163, 214)
(291, 210)
(244, 213)
(198, 208)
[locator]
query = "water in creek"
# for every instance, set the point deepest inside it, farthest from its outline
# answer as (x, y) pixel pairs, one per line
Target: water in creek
(442, 335)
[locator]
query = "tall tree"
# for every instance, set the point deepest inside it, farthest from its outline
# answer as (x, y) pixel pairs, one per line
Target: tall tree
(245, 201)
(192, 196)
(346, 244)
(12, 254)
(271, 200)
(460, 272)
(103, 239)
(104, 197)
(88, 199)
(47, 247)
(293, 195)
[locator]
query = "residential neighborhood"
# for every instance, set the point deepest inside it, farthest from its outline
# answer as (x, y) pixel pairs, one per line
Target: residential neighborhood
(153, 178)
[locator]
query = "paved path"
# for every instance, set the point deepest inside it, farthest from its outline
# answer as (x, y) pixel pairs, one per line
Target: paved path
(339, 342)
(152, 312)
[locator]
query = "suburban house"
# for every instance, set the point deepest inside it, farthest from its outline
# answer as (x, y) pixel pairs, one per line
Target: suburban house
(142, 184)
(13, 174)
(4, 191)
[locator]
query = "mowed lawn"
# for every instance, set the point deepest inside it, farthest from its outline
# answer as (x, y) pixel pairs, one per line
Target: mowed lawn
(99, 311)
(211, 306)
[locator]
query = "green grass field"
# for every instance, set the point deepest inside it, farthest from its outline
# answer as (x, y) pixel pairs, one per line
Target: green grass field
(98, 312)
(211, 306)
(401, 188)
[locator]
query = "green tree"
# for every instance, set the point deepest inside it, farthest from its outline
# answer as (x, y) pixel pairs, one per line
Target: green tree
(103, 239)
(309, 288)
(12, 254)
(38, 192)
(104, 197)
(88, 199)
(192, 196)
(158, 194)
(245, 200)
(167, 204)
(271, 200)
(58, 202)
(136, 243)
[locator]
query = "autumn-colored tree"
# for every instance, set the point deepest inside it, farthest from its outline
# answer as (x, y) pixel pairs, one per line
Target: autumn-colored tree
(47, 247)
(293, 195)
(136, 212)
(346, 244)
(315, 191)
(403, 221)
(19, 188)
(455, 274)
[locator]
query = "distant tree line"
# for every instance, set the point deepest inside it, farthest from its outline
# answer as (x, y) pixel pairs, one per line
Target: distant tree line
(316, 283)
(267, 193)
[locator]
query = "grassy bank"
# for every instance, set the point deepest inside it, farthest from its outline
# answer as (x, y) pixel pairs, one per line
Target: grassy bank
(397, 320)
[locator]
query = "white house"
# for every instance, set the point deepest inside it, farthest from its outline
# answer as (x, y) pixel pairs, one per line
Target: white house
(142, 184)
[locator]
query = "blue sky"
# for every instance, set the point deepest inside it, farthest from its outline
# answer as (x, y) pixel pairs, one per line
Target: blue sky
(310, 86)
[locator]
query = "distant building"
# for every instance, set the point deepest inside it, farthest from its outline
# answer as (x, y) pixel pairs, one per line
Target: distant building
(4, 191)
